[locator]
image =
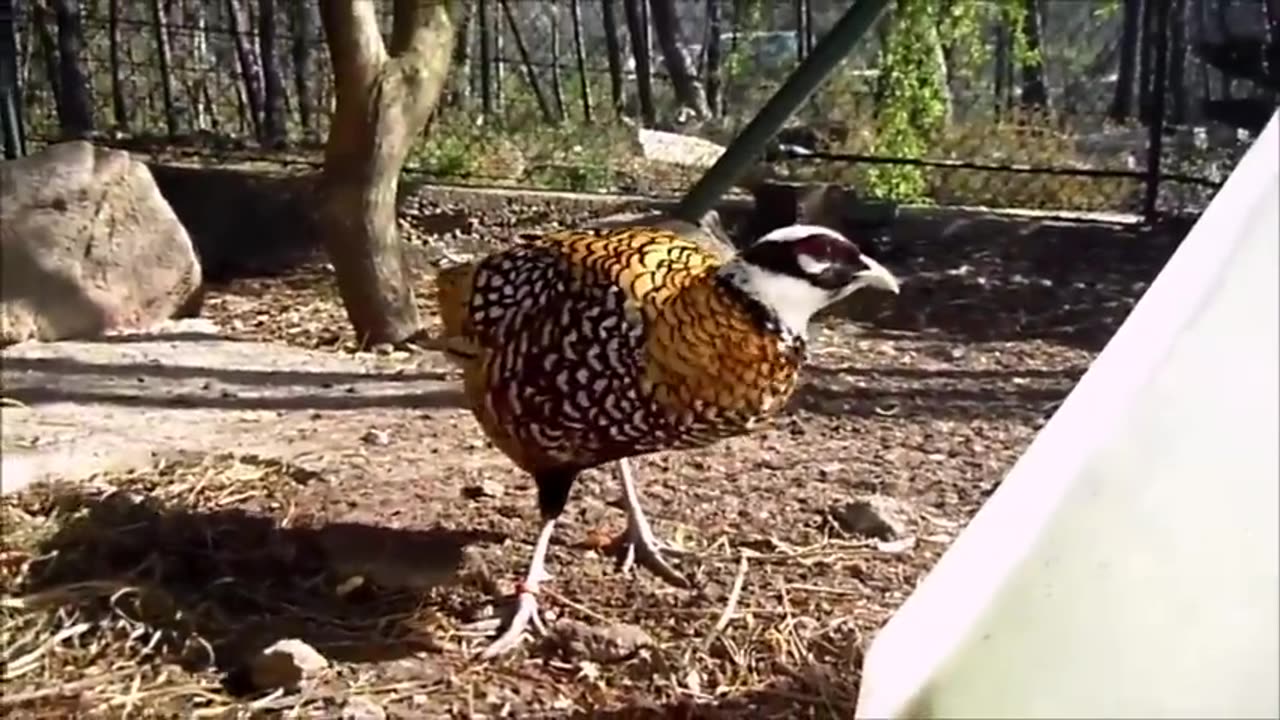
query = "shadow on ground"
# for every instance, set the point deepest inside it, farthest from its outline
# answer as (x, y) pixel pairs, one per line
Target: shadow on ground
(215, 587)
(908, 394)
(994, 278)
(42, 380)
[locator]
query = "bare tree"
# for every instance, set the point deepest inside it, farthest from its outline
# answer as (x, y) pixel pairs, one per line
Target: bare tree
(613, 50)
(714, 57)
(1130, 39)
(384, 95)
(274, 128)
(666, 24)
(580, 54)
(75, 107)
(1178, 52)
(552, 11)
(198, 77)
(530, 73)
(1035, 94)
(160, 27)
(638, 29)
(1002, 70)
(48, 52)
(1147, 59)
(484, 11)
(247, 56)
(462, 76)
(119, 107)
(302, 17)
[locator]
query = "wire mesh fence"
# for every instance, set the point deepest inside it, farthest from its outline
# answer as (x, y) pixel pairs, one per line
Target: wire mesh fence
(1078, 105)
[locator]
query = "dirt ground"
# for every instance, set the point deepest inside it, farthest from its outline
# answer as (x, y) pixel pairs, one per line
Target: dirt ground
(147, 593)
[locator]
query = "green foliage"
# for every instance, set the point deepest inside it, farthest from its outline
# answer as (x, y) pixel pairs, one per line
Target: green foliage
(913, 97)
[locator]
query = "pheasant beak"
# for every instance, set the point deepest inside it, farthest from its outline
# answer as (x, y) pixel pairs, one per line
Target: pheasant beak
(876, 276)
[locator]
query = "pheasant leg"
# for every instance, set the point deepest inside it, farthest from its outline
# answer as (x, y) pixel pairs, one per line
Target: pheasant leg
(526, 610)
(638, 543)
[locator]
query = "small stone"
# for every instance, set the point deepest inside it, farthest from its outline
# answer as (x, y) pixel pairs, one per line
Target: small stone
(361, 708)
(286, 664)
(608, 644)
(873, 516)
(486, 488)
(373, 436)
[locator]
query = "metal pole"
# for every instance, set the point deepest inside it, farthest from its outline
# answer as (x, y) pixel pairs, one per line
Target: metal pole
(1155, 144)
(834, 47)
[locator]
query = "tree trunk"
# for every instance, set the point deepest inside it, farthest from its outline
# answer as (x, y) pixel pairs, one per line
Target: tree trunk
(119, 107)
(1178, 62)
(802, 28)
(303, 20)
(198, 79)
(48, 53)
(499, 64)
(163, 58)
(688, 90)
(1001, 61)
(714, 58)
(637, 28)
(580, 55)
(11, 82)
(557, 83)
(1146, 60)
(461, 78)
(613, 48)
(1034, 92)
(384, 94)
(1130, 41)
(274, 127)
(530, 73)
(250, 71)
(483, 11)
(75, 111)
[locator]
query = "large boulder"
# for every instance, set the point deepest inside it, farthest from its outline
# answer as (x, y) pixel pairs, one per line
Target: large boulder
(87, 245)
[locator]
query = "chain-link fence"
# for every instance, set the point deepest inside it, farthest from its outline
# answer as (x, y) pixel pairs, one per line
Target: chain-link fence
(1103, 105)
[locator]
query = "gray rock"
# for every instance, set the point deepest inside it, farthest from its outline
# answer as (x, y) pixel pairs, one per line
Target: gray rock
(88, 245)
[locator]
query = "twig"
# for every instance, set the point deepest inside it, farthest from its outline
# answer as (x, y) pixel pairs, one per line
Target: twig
(576, 606)
(822, 589)
(731, 604)
(69, 688)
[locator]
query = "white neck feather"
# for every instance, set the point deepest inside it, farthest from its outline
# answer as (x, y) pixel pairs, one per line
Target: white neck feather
(793, 300)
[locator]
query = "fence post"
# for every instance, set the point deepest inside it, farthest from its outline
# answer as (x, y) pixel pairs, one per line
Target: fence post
(15, 144)
(1155, 139)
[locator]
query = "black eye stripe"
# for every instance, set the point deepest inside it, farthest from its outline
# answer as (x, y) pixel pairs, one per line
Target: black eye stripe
(783, 256)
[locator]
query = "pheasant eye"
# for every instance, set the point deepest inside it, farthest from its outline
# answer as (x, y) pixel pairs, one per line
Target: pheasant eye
(812, 265)
(814, 247)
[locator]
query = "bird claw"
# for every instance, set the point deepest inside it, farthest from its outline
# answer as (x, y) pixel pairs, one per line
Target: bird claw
(634, 547)
(525, 614)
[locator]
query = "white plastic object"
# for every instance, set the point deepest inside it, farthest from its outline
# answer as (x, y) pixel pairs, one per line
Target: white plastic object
(1128, 566)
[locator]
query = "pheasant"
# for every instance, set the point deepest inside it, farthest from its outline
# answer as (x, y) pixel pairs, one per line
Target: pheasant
(581, 348)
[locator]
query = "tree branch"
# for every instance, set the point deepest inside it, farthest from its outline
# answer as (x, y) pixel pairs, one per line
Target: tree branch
(355, 42)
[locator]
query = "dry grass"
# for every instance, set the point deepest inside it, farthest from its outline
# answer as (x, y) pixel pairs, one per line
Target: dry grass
(143, 594)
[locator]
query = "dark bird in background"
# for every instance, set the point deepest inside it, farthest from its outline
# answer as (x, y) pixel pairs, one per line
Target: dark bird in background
(586, 347)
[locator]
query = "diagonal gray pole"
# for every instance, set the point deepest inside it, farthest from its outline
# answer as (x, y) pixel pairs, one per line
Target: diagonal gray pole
(834, 47)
